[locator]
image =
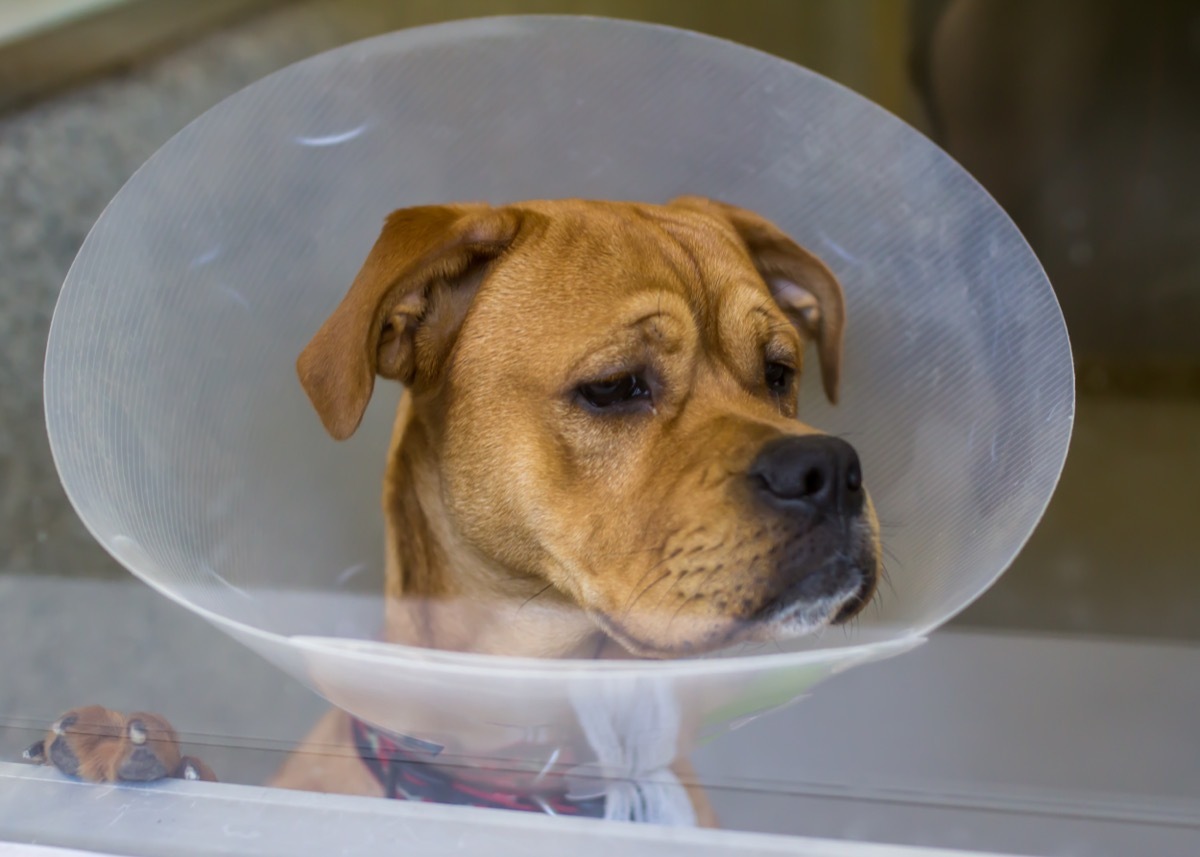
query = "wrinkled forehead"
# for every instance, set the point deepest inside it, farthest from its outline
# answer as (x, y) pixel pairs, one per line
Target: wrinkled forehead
(582, 270)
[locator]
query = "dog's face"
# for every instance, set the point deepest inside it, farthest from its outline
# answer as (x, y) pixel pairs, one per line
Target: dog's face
(612, 390)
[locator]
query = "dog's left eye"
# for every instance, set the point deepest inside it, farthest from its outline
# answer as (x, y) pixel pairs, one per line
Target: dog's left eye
(611, 392)
(779, 376)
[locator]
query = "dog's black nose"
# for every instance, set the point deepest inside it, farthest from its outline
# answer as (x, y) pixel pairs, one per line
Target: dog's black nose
(816, 471)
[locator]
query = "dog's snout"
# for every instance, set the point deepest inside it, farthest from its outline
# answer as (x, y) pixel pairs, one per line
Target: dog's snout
(811, 471)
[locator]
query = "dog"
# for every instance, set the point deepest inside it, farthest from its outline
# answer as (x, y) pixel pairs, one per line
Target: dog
(599, 419)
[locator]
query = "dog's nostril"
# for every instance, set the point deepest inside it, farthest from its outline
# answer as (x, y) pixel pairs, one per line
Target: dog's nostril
(814, 481)
(854, 477)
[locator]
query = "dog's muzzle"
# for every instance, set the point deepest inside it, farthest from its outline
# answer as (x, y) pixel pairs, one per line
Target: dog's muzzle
(816, 482)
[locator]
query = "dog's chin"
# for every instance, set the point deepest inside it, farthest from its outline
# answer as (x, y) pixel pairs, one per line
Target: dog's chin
(780, 620)
(799, 618)
(806, 617)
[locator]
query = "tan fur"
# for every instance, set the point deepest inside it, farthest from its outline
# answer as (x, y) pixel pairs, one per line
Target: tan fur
(502, 486)
(522, 521)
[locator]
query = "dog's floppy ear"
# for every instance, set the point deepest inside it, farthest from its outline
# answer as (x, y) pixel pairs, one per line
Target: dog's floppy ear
(421, 258)
(805, 289)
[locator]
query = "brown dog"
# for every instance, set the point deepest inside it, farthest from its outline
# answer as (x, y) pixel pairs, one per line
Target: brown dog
(600, 419)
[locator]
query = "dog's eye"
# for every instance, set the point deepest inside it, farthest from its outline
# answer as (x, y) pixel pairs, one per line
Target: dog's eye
(617, 390)
(779, 376)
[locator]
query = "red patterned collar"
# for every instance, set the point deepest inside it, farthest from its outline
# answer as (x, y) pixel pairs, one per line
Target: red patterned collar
(405, 767)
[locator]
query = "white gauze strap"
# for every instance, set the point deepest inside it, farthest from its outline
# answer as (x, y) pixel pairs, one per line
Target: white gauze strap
(632, 726)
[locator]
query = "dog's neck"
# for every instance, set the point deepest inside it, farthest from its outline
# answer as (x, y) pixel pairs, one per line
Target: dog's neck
(441, 593)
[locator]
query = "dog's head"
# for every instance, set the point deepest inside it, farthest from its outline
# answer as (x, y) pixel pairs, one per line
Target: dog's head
(611, 389)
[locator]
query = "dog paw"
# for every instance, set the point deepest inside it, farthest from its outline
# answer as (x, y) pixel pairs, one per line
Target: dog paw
(105, 746)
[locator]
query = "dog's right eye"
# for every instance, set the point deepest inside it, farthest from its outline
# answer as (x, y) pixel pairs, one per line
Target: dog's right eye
(611, 392)
(779, 377)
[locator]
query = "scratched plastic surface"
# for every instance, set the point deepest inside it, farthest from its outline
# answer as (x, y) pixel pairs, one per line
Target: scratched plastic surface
(191, 453)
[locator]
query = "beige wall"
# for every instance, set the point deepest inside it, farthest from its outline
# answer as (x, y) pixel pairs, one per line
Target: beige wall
(45, 44)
